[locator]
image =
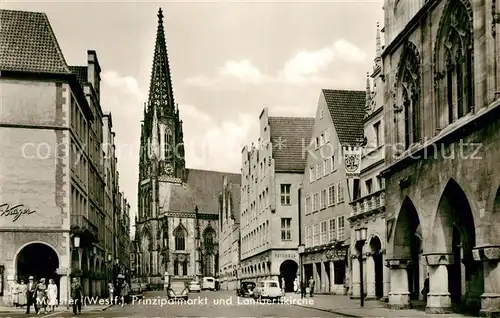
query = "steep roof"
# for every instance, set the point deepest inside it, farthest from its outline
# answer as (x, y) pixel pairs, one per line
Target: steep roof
(28, 44)
(347, 109)
(201, 189)
(289, 136)
(81, 73)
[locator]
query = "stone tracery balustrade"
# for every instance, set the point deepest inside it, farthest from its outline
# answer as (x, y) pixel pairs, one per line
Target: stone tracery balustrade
(370, 202)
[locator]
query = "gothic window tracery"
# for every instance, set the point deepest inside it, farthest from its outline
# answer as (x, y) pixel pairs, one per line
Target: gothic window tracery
(410, 95)
(454, 62)
(167, 147)
(209, 239)
(180, 238)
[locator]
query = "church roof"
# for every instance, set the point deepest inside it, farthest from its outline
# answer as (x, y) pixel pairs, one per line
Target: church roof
(347, 109)
(289, 136)
(201, 189)
(28, 44)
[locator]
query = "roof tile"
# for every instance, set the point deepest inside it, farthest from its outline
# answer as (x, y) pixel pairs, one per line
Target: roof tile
(347, 109)
(28, 44)
(290, 137)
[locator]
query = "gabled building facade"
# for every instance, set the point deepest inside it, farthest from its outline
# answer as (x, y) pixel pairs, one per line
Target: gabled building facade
(229, 235)
(325, 192)
(270, 179)
(368, 201)
(53, 222)
(442, 98)
(178, 208)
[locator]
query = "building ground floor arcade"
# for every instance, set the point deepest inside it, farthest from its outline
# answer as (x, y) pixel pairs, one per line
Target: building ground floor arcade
(277, 264)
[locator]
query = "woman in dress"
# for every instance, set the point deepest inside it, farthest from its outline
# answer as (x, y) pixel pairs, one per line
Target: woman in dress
(41, 296)
(14, 291)
(21, 297)
(52, 295)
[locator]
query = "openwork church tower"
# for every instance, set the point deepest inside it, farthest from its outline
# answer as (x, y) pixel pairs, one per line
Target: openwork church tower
(177, 207)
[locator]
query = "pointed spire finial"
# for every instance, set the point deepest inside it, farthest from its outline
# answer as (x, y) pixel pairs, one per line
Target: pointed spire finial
(160, 15)
(368, 94)
(378, 45)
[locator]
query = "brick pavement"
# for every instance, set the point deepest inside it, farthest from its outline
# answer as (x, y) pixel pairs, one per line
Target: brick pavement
(343, 305)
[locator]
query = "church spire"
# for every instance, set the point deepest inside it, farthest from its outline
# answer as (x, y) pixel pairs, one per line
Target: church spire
(154, 135)
(368, 101)
(160, 87)
(378, 47)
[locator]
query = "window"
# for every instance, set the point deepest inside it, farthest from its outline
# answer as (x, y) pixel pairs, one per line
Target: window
(285, 194)
(331, 195)
(332, 231)
(321, 113)
(341, 228)
(334, 163)
(322, 199)
(286, 232)
(369, 186)
(327, 135)
(376, 128)
(410, 94)
(312, 174)
(317, 143)
(326, 167)
(321, 140)
(307, 205)
(308, 236)
(316, 234)
(180, 238)
(380, 182)
(318, 172)
(315, 203)
(184, 268)
(324, 232)
(176, 268)
(340, 192)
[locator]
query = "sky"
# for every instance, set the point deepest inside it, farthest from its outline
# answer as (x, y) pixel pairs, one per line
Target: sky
(228, 61)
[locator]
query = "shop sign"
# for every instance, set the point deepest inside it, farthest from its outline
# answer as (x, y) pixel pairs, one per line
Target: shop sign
(14, 211)
(286, 255)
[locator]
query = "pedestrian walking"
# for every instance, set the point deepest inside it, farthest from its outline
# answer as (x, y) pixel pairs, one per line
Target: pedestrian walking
(296, 286)
(125, 290)
(283, 287)
(52, 295)
(312, 283)
(22, 287)
(41, 296)
(31, 295)
(76, 296)
(303, 288)
(425, 290)
(111, 291)
(346, 285)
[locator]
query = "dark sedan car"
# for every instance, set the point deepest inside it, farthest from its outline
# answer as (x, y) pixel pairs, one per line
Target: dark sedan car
(178, 290)
(246, 289)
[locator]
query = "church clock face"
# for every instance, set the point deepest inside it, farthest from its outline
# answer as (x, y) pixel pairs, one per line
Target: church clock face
(169, 169)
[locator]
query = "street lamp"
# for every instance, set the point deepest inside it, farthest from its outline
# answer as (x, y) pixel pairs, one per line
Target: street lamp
(361, 238)
(76, 244)
(302, 249)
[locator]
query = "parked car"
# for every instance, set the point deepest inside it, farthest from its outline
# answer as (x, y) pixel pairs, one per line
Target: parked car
(208, 283)
(178, 290)
(135, 291)
(246, 289)
(268, 289)
(194, 286)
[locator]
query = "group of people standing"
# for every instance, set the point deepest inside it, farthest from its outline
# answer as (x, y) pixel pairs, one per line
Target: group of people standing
(121, 291)
(43, 297)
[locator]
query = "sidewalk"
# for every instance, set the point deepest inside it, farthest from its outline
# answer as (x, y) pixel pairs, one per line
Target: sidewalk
(10, 310)
(345, 306)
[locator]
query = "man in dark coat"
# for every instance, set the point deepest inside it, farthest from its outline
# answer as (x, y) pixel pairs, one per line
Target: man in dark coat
(76, 296)
(31, 295)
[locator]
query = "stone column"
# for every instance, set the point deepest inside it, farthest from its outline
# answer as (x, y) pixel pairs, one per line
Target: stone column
(386, 280)
(490, 299)
(355, 283)
(438, 298)
(399, 296)
(324, 278)
(370, 277)
(332, 277)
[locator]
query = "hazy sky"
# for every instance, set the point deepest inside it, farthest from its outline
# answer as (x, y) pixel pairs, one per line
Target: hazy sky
(228, 60)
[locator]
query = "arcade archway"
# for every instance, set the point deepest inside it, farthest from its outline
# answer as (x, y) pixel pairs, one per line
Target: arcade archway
(38, 260)
(376, 249)
(408, 244)
(454, 232)
(288, 272)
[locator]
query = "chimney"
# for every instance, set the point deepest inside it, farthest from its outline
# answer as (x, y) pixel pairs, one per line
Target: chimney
(94, 71)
